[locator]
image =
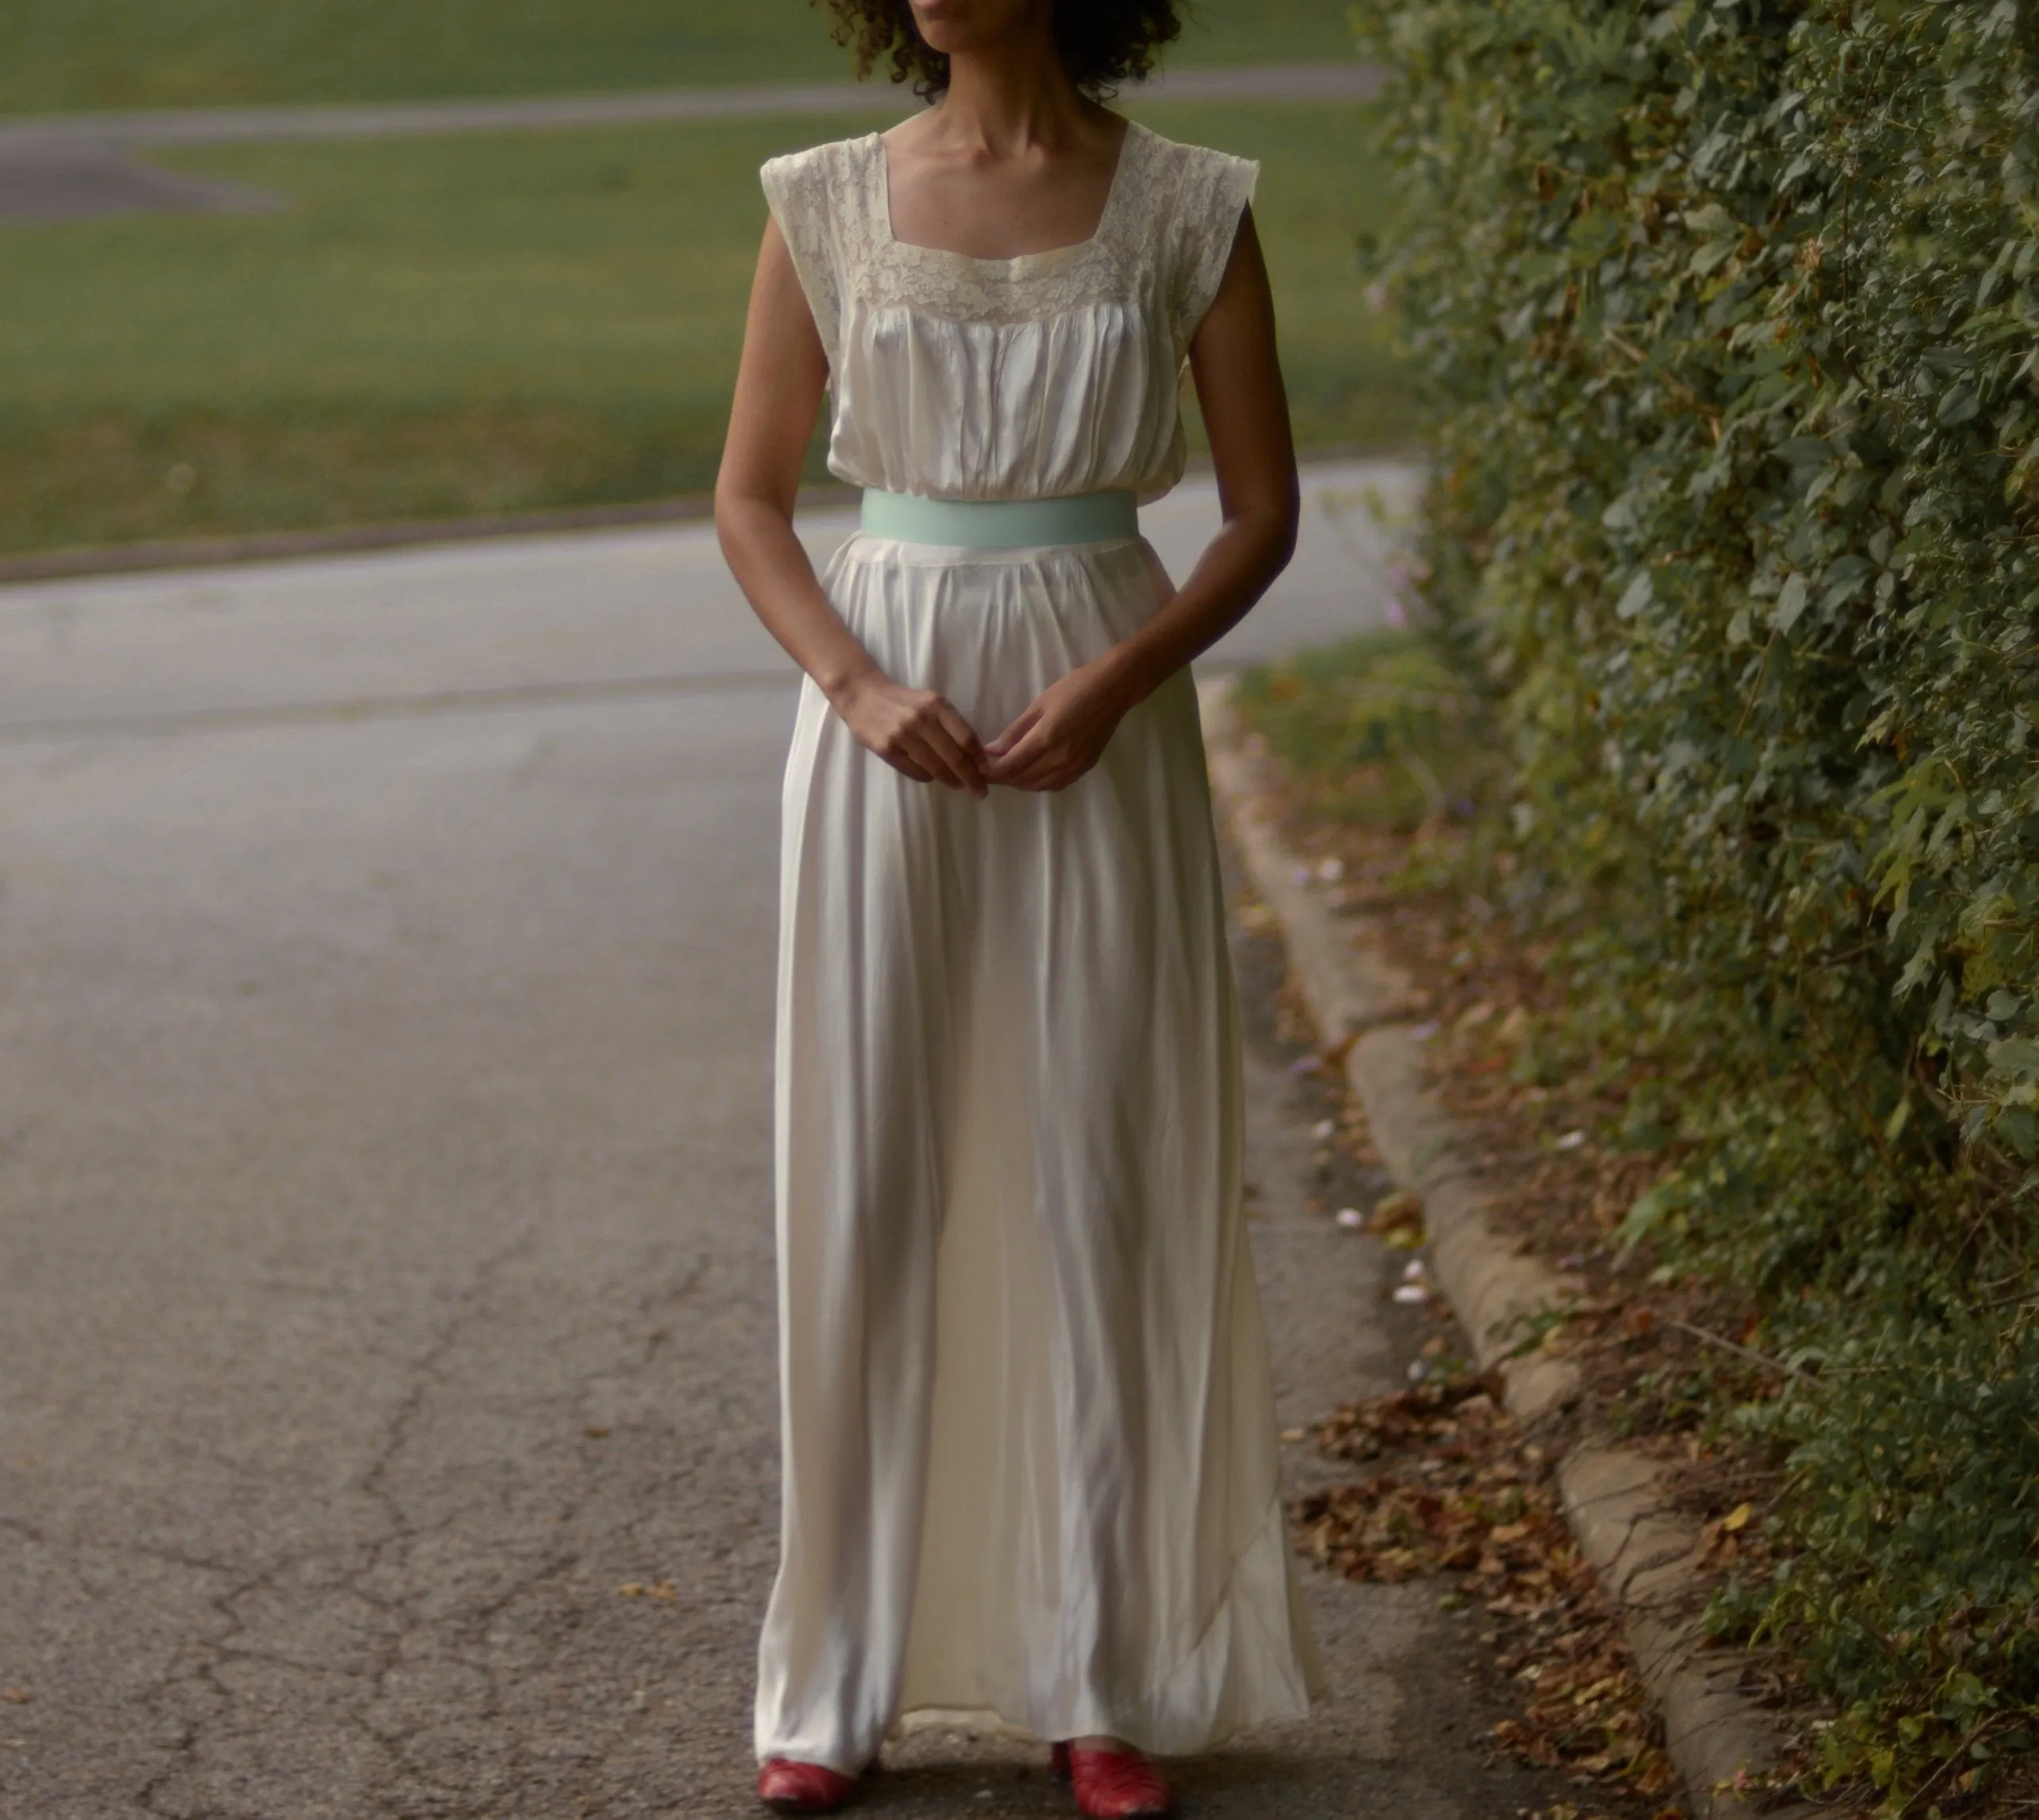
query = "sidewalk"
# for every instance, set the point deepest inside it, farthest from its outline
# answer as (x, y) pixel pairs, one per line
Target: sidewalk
(48, 134)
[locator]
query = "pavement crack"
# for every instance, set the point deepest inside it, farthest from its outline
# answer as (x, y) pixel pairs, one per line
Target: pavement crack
(427, 1373)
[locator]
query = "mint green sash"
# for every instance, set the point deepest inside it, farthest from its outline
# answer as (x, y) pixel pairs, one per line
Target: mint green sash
(1000, 524)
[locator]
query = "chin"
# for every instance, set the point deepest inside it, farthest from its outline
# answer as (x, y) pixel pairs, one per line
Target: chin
(952, 25)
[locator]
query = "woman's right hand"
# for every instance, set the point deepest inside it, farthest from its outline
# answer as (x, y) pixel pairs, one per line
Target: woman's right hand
(915, 730)
(779, 387)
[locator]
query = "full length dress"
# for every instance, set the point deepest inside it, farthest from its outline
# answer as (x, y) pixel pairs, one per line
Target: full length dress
(1030, 1463)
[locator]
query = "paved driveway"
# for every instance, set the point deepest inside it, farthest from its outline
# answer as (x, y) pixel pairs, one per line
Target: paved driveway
(386, 1426)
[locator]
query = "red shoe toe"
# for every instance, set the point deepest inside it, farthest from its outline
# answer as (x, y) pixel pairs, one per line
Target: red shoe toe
(789, 1786)
(1115, 1784)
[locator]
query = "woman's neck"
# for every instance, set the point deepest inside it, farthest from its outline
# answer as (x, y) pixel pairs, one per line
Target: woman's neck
(1014, 95)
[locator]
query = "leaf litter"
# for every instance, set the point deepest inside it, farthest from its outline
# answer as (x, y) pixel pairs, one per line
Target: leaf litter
(1457, 1490)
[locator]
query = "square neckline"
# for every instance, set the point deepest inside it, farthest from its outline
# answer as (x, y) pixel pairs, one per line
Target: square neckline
(881, 178)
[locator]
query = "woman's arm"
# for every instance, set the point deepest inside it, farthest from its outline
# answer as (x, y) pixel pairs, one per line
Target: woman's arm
(1246, 411)
(779, 384)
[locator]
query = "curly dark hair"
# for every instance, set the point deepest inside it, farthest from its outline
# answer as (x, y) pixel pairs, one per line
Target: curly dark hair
(1102, 43)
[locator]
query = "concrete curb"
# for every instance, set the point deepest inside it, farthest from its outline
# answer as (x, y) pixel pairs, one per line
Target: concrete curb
(1646, 1553)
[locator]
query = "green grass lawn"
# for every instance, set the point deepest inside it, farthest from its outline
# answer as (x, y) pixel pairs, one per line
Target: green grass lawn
(65, 54)
(1376, 732)
(443, 327)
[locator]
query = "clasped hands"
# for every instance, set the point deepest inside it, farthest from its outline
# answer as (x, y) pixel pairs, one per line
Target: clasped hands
(1060, 734)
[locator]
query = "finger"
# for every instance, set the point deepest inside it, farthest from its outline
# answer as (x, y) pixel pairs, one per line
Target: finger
(1058, 777)
(1018, 776)
(961, 740)
(902, 763)
(968, 768)
(961, 730)
(932, 748)
(1025, 735)
(1017, 731)
(1026, 753)
(1042, 777)
(1051, 764)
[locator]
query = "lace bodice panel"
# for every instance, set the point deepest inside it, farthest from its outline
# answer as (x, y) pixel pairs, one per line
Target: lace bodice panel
(1055, 373)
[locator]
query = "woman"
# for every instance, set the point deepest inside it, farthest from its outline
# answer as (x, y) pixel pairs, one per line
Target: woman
(1029, 1457)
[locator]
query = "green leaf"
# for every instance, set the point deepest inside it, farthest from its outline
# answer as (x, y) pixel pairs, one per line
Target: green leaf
(2018, 1128)
(1777, 813)
(1843, 579)
(2015, 1055)
(1958, 405)
(1790, 604)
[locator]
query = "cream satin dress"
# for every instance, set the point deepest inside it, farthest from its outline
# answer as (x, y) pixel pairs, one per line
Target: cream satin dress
(1030, 1472)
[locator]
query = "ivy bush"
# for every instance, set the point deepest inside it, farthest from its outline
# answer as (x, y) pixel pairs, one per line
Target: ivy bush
(1730, 308)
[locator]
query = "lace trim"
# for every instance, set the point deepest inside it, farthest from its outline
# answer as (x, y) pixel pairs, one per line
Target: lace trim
(890, 273)
(1167, 234)
(1216, 190)
(797, 188)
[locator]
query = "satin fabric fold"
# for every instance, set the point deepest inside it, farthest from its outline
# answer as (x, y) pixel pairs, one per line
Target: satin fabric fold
(1031, 1473)
(1030, 1464)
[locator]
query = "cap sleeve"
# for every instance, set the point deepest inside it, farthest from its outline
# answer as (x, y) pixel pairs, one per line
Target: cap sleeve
(1216, 187)
(798, 188)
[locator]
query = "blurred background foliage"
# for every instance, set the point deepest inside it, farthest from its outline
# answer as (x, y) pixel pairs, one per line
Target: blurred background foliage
(1383, 727)
(1728, 308)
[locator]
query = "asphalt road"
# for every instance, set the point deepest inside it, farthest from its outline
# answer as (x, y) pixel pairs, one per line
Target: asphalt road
(387, 1398)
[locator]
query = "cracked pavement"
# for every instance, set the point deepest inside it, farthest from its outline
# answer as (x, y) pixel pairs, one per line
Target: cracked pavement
(387, 1422)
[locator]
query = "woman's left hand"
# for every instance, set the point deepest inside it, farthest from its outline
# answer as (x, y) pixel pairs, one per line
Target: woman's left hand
(1063, 733)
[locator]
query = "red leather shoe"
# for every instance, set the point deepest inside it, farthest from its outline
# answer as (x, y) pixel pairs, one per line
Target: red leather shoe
(1112, 1784)
(787, 1786)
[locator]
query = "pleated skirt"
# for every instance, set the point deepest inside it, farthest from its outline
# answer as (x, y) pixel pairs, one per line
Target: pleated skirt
(1030, 1466)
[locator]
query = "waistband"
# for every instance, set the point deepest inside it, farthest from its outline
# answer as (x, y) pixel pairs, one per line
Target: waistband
(1000, 524)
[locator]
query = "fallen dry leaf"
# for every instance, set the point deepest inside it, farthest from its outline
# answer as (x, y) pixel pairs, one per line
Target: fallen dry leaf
(1402, 1207)
(1459, 1491)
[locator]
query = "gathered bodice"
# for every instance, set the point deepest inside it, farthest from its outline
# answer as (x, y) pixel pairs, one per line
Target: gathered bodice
(1051, 373)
